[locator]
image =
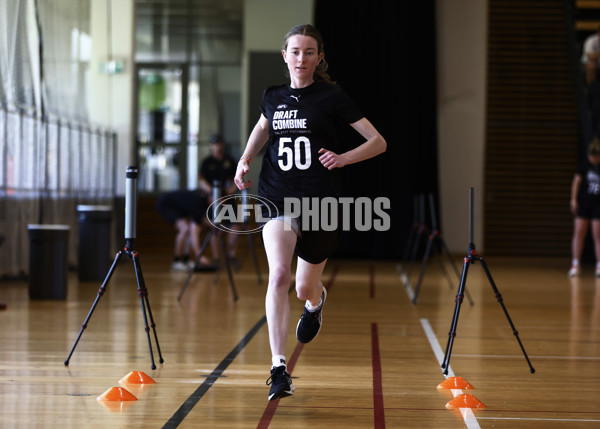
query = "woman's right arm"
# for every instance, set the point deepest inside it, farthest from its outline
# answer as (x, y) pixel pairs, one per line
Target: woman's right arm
(258, 137)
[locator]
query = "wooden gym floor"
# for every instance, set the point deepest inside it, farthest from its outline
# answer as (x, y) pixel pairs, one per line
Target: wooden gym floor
(376, 363)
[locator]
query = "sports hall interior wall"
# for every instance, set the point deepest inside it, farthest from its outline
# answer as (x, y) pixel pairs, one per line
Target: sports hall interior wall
(532, 127)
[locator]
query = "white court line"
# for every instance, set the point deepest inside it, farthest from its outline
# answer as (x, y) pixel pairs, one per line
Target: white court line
(532, 357)
(407, 287)
(543, 420)
(467, 413)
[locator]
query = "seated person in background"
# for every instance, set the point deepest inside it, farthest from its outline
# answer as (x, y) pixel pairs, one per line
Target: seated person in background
(219, 166)
(185, 210)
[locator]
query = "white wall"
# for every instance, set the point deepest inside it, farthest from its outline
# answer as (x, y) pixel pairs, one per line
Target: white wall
(461, 71)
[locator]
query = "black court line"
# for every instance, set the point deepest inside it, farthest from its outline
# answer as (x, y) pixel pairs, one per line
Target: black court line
(187, 406)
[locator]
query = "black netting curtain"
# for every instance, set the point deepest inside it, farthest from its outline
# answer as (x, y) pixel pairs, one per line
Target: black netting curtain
(383, 54)
(51, 157)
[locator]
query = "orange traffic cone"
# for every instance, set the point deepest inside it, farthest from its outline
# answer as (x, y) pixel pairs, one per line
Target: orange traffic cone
(116, 394)
(455, 383)
(137, 377)
(465, 401)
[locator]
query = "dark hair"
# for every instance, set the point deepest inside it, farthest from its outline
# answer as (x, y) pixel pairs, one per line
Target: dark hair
(216, 138)
(321, 74)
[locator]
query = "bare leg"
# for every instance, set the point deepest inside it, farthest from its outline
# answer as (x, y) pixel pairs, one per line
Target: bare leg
(183, 231)
(579, 233)
(596, 236)
(279, 246)
(195, 230)
(308, 281)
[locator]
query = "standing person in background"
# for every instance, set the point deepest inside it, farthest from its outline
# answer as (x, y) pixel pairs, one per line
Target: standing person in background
(585, 205)
(590, 57)
(299, 125)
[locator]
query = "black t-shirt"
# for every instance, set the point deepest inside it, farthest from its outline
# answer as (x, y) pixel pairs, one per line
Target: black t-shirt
(222, 170)
(590, 185)
(301, 122)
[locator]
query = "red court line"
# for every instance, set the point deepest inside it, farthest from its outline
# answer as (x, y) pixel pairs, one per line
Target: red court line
(272, 405)
(378, 413)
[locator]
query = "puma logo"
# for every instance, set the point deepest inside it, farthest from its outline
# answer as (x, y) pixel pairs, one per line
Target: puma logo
(296, 97)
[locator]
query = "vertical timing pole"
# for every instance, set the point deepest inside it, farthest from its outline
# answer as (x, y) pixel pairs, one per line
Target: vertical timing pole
(471, 217)
(244, 205)
(130, 205)
(216, 194)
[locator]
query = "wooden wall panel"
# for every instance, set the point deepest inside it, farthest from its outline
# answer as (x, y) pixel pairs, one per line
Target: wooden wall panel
(531, 130)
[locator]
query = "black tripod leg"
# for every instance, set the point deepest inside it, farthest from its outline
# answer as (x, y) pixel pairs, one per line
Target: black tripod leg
(254, 258)
(439, 246)
(227, 266)
(459, 300)
(98, 296)
(143, 294)
(409, 242)
(191, 271)
(501, 301)
(415, 250)
(423, 266)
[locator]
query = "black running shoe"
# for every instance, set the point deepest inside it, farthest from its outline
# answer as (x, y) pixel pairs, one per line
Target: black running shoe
(280, 382)
(309, 324)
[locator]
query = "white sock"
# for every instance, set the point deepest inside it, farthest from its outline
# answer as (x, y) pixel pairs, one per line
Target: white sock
(312, 308)
(278, 360)
(575, 262)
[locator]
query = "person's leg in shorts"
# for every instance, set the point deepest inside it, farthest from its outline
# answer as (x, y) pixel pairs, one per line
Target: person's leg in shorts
(313, 250)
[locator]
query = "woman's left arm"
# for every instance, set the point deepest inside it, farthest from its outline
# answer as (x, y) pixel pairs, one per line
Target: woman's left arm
(373, 146)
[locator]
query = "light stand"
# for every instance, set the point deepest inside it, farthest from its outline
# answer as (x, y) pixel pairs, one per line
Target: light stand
(130, 234)
(421, 229)
(244, 202)
(471, 259)
(214, 231)
(411, 235)
(435, 237)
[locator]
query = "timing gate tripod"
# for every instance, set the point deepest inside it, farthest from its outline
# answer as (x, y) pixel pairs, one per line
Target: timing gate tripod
(471, 259)
(130, 222)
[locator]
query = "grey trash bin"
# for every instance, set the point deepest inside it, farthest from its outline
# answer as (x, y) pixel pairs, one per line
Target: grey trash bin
(94, 242)
(48, 258)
